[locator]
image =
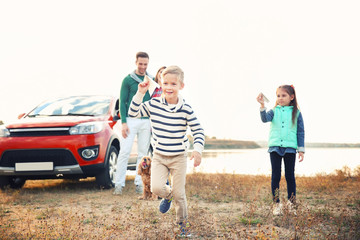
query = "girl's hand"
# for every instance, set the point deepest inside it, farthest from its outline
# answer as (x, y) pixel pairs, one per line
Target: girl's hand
(143, 87)
(301, 156)
(197, 158)
(260, 99)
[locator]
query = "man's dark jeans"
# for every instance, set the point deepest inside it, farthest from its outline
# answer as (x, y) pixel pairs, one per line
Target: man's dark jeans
(289, 162)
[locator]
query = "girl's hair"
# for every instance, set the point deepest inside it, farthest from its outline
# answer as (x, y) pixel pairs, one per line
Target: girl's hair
(174, 70)
(291, 91)
(157, 74)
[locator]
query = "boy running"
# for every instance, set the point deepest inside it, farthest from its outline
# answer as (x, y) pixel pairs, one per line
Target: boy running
(169, 117)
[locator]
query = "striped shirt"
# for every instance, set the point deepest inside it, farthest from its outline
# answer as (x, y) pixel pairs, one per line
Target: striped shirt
(169, 124)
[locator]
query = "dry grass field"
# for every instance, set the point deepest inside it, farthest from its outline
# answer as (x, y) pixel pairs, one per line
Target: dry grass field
(221, 206)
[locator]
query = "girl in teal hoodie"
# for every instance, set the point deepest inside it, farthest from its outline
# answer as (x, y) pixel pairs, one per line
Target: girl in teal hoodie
(287, 136)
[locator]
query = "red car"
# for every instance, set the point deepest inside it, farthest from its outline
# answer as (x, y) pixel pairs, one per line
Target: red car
(71, 137)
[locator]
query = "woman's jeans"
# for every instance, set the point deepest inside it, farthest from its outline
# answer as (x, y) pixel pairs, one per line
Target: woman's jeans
(289, 162)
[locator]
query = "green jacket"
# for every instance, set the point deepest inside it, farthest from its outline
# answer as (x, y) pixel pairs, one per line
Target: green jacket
(283, 133)
(128, 89)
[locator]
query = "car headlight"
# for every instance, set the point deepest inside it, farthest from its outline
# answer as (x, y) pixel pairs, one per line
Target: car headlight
(4, 132)
(87, 128)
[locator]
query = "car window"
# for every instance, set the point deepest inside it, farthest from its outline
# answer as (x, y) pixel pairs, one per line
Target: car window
(117, 108)
(83, 105)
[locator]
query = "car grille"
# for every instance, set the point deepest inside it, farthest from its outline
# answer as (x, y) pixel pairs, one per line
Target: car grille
(60, 157)
(38, 132)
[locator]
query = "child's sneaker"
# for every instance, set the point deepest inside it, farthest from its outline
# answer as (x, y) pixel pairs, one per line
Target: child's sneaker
(291, 207)
(165, 205)
(185, 229)
(277, 210)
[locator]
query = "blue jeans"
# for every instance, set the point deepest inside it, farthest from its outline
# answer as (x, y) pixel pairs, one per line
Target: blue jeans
(289, 162)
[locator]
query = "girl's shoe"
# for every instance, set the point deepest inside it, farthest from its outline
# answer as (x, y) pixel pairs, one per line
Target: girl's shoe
(277, 209)
(185, 229)
(291, 207)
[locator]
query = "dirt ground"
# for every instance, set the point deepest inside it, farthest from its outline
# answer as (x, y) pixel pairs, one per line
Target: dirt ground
(63, 209)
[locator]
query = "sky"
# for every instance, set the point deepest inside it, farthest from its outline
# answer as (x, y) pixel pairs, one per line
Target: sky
(230, 51)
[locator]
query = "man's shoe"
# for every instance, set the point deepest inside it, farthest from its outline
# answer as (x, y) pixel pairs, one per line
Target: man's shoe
(185, 229)
(118, 190)
(139, 189)
(165, 205)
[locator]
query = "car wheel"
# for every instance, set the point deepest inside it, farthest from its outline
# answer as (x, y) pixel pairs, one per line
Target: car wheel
(13, 182)
(106, 179)
(16, 182)
(4, 182)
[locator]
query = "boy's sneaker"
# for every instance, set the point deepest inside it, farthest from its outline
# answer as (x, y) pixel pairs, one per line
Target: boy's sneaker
(118, 190)
(277, 210)
(165, 205)
(185, 229)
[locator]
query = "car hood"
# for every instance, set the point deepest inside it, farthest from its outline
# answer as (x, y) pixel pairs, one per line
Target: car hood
(56, 121)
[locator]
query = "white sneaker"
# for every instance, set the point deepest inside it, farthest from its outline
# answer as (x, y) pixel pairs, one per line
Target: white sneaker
(291, 207)
(277, 209)
(118, 190)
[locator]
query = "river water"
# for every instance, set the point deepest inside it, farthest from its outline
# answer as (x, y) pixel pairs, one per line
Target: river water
(257, 161)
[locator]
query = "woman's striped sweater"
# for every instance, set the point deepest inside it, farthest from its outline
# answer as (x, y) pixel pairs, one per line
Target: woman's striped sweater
(169, 124)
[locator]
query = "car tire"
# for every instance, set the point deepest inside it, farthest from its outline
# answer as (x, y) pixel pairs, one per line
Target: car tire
(106, 179)
(12, 182)
(4, 182)
(16, 182)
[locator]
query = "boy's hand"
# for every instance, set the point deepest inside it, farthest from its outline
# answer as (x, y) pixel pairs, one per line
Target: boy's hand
(260, 99)
(301, 156)
(197, 158)
(143, 87)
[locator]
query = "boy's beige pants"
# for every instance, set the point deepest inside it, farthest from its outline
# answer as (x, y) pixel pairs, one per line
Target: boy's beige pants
(177, 165)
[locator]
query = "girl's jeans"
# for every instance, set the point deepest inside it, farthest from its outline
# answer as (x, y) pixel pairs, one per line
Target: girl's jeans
(177, 165)
(289, 162)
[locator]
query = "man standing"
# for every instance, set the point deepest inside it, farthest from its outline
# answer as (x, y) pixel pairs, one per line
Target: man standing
(132, 127)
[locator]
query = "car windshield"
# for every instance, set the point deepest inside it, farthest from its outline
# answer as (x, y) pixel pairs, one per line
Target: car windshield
(75, 106)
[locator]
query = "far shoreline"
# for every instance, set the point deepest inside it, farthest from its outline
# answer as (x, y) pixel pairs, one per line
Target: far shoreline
(223, 144)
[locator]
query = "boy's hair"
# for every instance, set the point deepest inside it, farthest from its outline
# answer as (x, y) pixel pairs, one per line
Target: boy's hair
(291, 91)
(142, 55)
(174, 70)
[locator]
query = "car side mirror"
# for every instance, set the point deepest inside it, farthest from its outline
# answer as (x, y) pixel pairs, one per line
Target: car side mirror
(21, 115)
